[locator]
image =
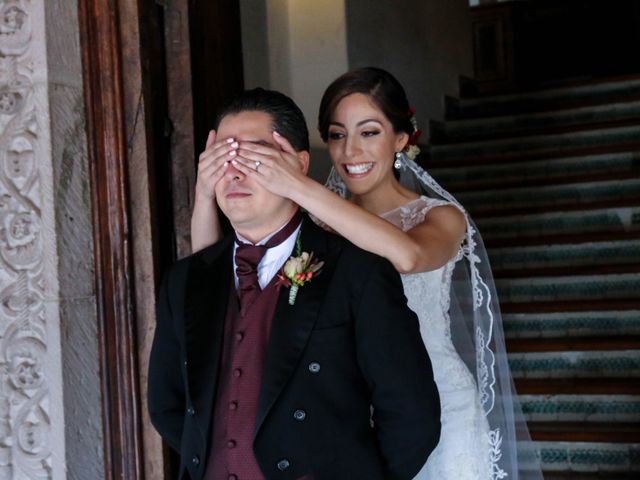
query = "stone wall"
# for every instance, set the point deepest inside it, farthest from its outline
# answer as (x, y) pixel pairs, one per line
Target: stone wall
(425, 44)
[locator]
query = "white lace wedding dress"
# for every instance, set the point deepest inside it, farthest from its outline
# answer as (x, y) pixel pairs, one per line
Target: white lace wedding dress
(463, 452)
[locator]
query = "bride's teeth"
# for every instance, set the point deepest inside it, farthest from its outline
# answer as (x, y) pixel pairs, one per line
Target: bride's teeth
(359, 168)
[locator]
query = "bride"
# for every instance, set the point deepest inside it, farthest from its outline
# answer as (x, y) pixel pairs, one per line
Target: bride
(382, 201)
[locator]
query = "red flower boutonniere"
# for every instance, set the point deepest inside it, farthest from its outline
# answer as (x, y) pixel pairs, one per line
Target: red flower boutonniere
(298, 270)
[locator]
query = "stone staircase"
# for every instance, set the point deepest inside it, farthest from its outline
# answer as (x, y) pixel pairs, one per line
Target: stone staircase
(552, 178)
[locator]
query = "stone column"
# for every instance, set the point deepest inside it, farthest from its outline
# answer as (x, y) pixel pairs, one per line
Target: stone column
(50, 420)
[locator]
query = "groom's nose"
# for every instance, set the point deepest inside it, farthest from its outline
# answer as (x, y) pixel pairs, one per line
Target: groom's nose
(232, 173)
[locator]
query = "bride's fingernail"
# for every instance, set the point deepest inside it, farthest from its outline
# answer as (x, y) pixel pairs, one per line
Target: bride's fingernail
(230, 140)
(234, 162)
(234, 145)
(232, 153)
(276, 133)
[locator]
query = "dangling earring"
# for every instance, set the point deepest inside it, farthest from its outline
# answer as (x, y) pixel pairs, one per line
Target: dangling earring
(397, 164)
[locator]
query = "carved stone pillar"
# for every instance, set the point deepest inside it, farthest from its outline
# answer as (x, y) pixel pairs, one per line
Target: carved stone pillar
(50, 419)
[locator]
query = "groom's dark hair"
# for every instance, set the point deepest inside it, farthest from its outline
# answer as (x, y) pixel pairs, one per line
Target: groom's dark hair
(288, 119)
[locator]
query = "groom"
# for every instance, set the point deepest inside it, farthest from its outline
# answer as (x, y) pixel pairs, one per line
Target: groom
(244, 384)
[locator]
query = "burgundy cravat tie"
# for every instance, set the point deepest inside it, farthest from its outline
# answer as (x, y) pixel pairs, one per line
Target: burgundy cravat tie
(248, 257)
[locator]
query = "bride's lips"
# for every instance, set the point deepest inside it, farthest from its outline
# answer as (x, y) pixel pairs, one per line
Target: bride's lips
(357, 170)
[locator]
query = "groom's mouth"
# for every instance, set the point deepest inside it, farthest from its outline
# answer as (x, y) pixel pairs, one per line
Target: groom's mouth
(237, 195)
(358, 169)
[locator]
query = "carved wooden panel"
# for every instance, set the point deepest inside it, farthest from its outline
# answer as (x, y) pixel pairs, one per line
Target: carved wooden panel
(103, 84)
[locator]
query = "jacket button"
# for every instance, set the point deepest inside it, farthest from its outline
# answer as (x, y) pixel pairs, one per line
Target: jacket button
(283, 464)
(232, 477)
(300, 415)
(195, 460)
(185, 363)
(191, 411)
(314, 367)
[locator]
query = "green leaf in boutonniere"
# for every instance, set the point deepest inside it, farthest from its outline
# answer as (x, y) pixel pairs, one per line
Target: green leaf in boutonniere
(297, 271)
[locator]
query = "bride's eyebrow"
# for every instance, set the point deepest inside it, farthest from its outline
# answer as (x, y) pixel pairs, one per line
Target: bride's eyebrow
(361, 122)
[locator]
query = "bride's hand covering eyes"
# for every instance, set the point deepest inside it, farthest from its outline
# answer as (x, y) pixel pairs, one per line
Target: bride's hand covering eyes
(279, 169)
(212, 164)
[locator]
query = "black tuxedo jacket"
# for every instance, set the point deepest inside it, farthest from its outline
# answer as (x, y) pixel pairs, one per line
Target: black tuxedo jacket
(347, 347)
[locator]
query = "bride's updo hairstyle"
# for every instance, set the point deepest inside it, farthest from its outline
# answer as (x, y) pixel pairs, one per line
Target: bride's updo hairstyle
(379, 85)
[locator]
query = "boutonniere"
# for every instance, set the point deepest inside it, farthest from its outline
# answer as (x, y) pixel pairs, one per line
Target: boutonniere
(298, 270)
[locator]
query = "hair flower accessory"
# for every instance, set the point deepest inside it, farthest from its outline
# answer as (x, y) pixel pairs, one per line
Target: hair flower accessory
(412, 150)
(298, 270)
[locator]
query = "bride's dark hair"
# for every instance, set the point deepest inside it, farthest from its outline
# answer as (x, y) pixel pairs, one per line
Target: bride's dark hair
(379, 85)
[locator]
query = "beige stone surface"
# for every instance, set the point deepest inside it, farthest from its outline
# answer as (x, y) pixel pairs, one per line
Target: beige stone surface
(50, 422)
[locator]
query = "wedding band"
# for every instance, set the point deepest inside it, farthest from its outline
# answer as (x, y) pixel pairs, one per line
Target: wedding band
(258, 166)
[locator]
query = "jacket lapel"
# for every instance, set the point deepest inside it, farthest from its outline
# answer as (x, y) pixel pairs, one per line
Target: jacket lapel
(208, 288)
(292, 324)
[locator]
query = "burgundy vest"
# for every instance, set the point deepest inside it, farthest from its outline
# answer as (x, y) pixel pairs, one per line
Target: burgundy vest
(231, 455)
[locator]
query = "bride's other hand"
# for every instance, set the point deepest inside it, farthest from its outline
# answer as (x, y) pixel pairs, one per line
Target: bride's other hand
(278, 168)
(212, 164)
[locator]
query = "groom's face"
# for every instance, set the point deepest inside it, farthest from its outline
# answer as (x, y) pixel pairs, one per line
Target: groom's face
(252, 210)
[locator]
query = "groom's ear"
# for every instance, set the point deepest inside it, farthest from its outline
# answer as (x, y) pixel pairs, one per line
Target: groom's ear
(303, 158)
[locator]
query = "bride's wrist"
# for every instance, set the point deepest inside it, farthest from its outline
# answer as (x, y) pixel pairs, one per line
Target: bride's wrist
(203, 199)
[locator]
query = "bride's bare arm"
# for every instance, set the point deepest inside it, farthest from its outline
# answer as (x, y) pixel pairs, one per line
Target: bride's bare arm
(425, 247)
(205, 225)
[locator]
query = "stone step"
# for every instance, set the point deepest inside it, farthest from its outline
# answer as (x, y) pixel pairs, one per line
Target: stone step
(580, 408)
(589, 431)
(568, 288)
(605, 92)
(561, 344)
(562, 238)
(532, 123)
(589, 457)
(565, 255)
(553, 197)
(538, 171)
(579, 364)
(578, 386)
(481, 152)
(581, 223)
(554, 475)
(582, 305)
(571, 324)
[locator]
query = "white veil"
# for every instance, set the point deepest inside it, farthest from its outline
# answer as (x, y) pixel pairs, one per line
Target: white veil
(476, 331)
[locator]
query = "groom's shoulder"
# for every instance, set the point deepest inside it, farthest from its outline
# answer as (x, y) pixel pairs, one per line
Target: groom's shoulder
(355, 258)
(208, 255)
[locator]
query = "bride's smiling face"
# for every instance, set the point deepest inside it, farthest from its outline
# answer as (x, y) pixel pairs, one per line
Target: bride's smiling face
(362, 144)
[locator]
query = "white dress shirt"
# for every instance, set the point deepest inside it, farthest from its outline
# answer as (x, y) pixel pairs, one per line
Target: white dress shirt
(273, 259)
